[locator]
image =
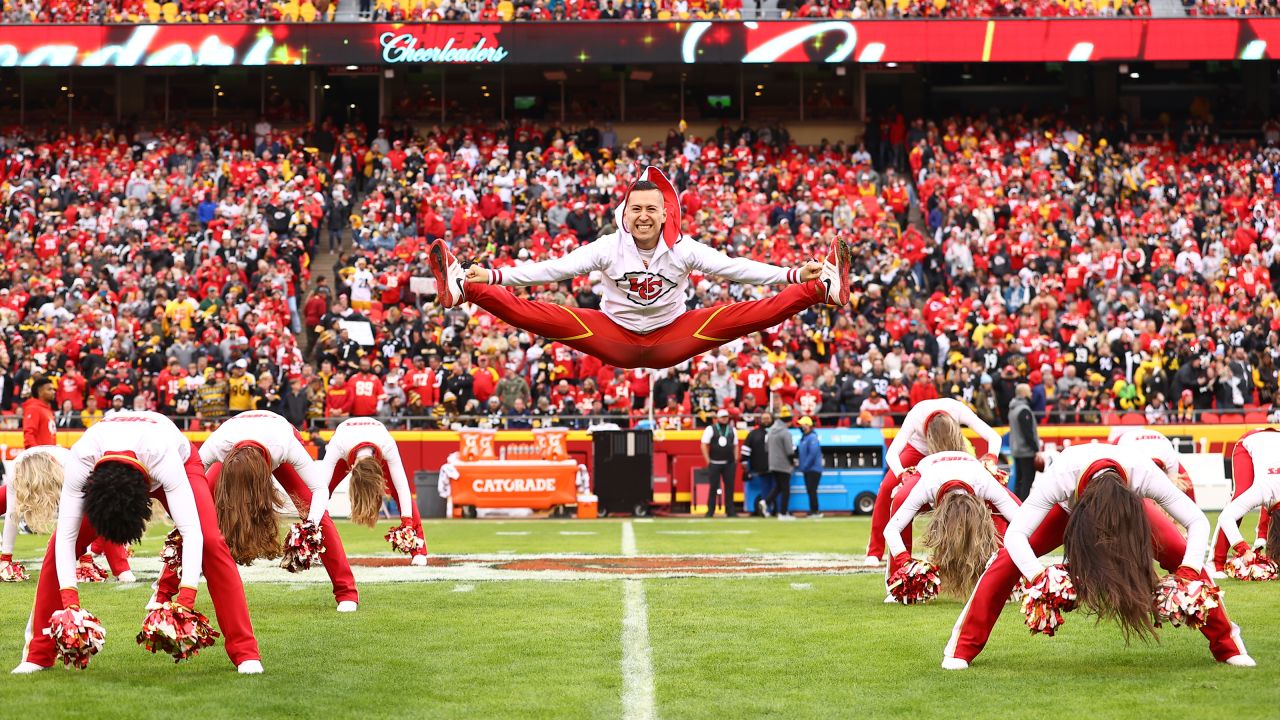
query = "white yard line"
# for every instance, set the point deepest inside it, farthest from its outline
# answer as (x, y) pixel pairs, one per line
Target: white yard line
(637, 655)
(628, 539)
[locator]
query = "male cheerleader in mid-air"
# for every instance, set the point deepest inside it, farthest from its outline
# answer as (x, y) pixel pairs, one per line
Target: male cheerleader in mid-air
(646, 264)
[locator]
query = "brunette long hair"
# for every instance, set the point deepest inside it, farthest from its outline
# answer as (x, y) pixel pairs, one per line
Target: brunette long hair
(1273, 535)
(961, 539)
(367, 483)
(1109, 555)
(246, 500)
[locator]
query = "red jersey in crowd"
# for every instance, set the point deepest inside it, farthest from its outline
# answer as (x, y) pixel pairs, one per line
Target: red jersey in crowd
(366, 388)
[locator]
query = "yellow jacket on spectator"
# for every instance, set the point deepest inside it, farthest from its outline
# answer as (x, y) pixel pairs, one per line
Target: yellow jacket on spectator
(240, 395)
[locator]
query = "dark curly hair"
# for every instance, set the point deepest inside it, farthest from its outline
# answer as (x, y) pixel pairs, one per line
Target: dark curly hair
(117, 502)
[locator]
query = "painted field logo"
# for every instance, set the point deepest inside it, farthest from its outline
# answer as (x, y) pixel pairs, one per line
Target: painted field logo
(437, 45)
(515, 485)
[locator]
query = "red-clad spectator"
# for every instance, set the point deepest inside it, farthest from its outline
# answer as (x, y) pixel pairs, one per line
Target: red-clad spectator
(366, 391)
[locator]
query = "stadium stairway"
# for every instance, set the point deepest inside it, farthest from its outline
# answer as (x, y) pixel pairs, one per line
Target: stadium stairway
(1167, 8)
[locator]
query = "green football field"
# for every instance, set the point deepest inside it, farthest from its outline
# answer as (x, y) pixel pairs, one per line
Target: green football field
(616, 638)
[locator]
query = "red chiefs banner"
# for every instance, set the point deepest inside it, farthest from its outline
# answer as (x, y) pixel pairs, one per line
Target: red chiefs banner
(702, 42)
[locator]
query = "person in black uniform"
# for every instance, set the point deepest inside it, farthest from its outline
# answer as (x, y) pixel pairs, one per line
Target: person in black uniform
(720, 450)
(755, 456)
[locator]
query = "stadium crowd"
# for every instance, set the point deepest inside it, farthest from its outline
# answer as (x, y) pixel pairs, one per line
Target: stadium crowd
(187, 11)
(1231, 8)
(1121, 275)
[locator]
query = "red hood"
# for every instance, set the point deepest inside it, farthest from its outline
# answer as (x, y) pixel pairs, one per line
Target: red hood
(670, 202)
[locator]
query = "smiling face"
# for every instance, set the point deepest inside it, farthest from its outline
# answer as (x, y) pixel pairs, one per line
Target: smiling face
(644, 216)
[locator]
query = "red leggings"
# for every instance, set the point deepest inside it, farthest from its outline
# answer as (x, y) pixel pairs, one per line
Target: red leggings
(117, 555)
(979, 616)
(223, 580)
(1242, 478)
(340, 472)
(334, 556)
(910, 457)
(904, 491)
(692, 333)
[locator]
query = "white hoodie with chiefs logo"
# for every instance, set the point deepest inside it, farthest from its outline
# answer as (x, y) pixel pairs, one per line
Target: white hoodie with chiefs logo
(639, 298)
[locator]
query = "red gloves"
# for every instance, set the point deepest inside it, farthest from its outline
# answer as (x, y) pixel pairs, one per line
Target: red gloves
(6, 557)
(1186, 573)
(1241, 548)
(897, 561)
(70, 598)
(187, 597)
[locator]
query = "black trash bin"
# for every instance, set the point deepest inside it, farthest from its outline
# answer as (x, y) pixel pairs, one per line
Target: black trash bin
(430, 504)
(623, 470)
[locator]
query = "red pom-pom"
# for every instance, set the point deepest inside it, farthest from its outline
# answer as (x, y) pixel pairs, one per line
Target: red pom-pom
(1259, 568)
(1046, 598)
(914, 583)
(88, 571)
(176, 631)
(302, 547)
(171, 553)
(13, 572)
(405, 539)
(77, 635)
(1185, 602)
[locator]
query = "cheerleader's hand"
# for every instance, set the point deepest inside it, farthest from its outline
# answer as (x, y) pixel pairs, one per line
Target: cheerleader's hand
(1186, 573)
(1244, 552)
(186, 597)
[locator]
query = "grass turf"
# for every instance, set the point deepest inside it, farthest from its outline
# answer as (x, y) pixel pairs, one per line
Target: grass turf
(794, 646)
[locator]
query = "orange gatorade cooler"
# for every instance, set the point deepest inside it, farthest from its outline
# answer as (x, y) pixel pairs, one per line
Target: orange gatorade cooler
(587, 507)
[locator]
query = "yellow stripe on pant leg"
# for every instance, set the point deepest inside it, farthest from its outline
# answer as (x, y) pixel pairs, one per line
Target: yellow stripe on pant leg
(584, 335)
(698, 333)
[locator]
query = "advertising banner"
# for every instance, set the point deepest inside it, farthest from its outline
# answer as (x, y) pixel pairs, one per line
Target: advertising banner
(702, 42)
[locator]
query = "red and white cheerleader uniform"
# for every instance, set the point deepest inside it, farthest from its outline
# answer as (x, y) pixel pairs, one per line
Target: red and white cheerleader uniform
(1256, 455)
(117, 555)
(940, 474)
(908, 449)
(643, 320)
(1263, 492)
(1159, 448)
(363, 437)
(153, 444)
(301, 477)
(1039, 525)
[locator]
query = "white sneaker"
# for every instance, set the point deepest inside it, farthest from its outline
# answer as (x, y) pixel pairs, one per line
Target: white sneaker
(154, 603)
(419, 561)
(127, 577)
(347, 606)
(1237, 660)
(816, 516)
(835, 273)
(871, 561)
(787, 517)
(448, 274)
(890, 600)
(250, 667)
(956, 664)
(762, 507)
(26, 668)
(1216, 574)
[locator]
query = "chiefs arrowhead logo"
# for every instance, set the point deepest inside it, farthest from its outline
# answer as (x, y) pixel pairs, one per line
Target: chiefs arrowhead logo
(644, 288)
